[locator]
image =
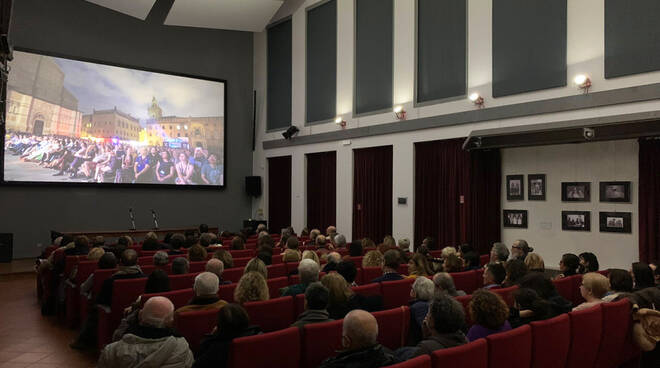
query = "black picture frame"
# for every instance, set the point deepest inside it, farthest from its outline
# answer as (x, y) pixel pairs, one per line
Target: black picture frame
(536, 187)
(510, 220)
(576, 192)
(514, 193)
(615, 222)
(615, 191)
(222, 187)
(568, 219)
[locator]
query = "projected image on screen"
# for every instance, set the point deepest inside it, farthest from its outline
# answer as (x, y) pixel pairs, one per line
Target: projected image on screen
(72, 121)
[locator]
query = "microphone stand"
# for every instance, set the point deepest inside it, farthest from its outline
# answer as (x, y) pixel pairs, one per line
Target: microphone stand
(132, 218)
(153, 214)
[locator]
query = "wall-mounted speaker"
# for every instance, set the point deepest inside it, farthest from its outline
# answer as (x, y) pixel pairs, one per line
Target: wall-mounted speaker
(253, 186)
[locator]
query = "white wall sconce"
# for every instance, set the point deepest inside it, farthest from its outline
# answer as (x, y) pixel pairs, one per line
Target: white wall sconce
(476, 99)
(582, 82)
(400, 112)
(340, 121)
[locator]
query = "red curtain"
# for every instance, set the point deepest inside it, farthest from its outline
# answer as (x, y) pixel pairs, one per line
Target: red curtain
(279, 193)
(321, 190)
(372, 193)
(457, 194)
(649, 200)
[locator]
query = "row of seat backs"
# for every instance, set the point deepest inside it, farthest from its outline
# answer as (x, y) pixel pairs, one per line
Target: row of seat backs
(595, 337)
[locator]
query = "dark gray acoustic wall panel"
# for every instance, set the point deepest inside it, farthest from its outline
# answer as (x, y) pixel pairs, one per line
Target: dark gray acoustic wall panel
(374, 31)
(441, 49)
(529, 45)
(632, 37)
(279, 76)
(321, 89)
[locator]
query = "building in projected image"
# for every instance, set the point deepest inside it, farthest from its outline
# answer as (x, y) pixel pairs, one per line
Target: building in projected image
(205, 132)
(44, 108)
(111, 124)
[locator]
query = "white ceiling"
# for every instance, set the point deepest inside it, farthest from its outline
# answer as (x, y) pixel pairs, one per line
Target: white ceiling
(134, 8)
(240, 15)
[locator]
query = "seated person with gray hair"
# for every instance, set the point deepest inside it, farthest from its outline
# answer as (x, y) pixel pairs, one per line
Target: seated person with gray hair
(161, 259)
(206, 294)
(444, 284)
(151, 343)
(422, 292)
(340, 241)
(215, 266)
(316, 306)
(360, 347)
(499, 253)
(333, 260)
(308, 270)
(180, 266)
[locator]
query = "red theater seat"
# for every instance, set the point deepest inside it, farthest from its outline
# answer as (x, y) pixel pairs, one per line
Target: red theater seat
(472, 355)
(586, 330)
(147, 269)
(403, 269)
(178, 297)
(291, 267)
(370, 273)
(484, 259)
(199, 266)
(506, 294)
(147, 253)
(357, 261)
(185, 281)
(226, 292)
(271, 315)
(367, 290)
(299, 304)
(274, 286)
(195, 324)
(616, 325)
(124, 292)
(313, 353)
(511, 349)
(276, 270)
(276, 349)
(232, 274)
(465, 301)
(550, 342)
(564, 287)
(396, 293)
(241, 262)
(393, 326)
(577, 298)
(423, 361)
(276, 259)
(241, 254)
(466, 281)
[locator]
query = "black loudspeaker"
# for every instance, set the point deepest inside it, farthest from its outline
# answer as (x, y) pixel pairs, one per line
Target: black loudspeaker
(6, 248)
(253, 185)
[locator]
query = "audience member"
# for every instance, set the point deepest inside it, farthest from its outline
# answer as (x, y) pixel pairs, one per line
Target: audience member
(180, 266)
(292, 243)
(348, 270)
(546, 290)
(316, 304)
(157, 282)
(588, 262)
(368, 243)
(356, 249)
(95, 254)
(593, 288)
(620, 282)
(309, 272)
(207, 239)
(421, 292)
(161, 259)
(225, 257)
(429, 243)
(642, 276)
(321, 241)
(237, 243)
(528, 307)
(310, 254)
(107, 261)
(515, 270)
(333, 260)
(339, 294)
(568, 265)
(452, 263)
(447, 251)
(151, 242)
(389, 242)
(128, 269)
(216, 267)
(360, 344)
(256, 265)
(489, 314)
(494, 275)
(290, 255)
(206, 294)
(252, 287)
(313, 234)
(340, 241)
(499, 253)
(418, 266)
(152, 343)
(203, 228)
(471, 261)
(177, 241)
(390, 267)
(444, 284)
(233, 322)
(520, 249)
(330, 231)
(372, 258)
(534, 263)
(197, 253)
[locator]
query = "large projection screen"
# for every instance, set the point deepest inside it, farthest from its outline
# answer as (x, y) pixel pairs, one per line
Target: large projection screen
(72, 121)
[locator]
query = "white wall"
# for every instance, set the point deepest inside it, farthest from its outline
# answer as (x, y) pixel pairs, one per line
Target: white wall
(589, 162)
(585, 49)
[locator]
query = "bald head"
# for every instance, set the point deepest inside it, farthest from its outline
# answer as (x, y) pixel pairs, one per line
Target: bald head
(360, 330)
(215, 266)
(157, 312)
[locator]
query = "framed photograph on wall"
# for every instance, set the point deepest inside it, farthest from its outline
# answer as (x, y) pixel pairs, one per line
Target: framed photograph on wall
(576, 192)
(536, 187)
(515, 187)
(515, 218)
(615, 191)
(615, 222)
(576, 220)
